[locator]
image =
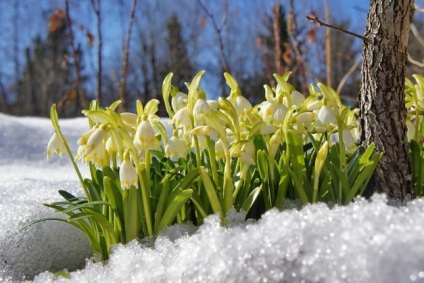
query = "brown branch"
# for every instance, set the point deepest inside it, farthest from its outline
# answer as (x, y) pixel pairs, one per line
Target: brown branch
(76, 57)
(321, 23)
(276, 28)
(218, 30)
(125, 56)
(97, 11)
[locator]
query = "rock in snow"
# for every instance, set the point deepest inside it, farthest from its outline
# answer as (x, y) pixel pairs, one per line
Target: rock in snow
(367, 241)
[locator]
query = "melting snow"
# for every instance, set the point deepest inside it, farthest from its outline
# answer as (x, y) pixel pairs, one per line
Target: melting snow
(367, 241)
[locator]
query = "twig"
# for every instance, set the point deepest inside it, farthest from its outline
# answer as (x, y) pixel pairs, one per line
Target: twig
(125, 56)
(347, 75)
(97, 11)
(76, 56)
(218, 30)
(415, 62)
(316, 20)
(417, 35)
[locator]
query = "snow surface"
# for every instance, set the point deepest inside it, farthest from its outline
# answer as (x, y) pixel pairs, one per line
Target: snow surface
(367, 241)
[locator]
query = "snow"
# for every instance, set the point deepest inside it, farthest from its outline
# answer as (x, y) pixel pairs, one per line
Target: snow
(367, 241)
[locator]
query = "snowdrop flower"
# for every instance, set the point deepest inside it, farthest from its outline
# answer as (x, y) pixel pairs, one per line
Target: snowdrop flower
(348, 140)
(182, 118)
(55, 145)
(129, 119)
(200, 109)
(179, 101)
(273, 112)
(279, 114)
(176, 147)
(98, 155)
(84, 138)
(411, 130)
(274, 143)
(111, 146)
(305, 117)
(145, 138)
(213, 104)
(219, 150)
(267, 110)
(314, 105)
(205, 131)
(128, 175)
(297, 98)
(240, 103)
(94, 141)
(326, 115)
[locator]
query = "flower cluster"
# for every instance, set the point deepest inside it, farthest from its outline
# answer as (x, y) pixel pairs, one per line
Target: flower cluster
(216, 155)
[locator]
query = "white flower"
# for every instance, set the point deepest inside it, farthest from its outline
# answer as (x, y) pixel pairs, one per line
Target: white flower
(176, 147)
(305, 117)
(348, 140)
(98, 156)
(219, 149)
(129, 119)
(84, 138)
(145, 138)
(179, 101)
(280, 113)
(267, 109)
(315, 105)
(94, 141)
(200, 109)
(274, 143)
(128, 175)
(205, 131)
(213, 104)
(326, 115)
(297, 98)
(182, 118)
(240, 103)
(411, 130)
(55, 145)
(111, 146)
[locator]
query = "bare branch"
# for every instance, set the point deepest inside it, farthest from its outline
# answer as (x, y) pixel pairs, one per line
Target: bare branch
(321, 23)
(417, 34)
(125, 56)
(347, 75)
(415, 62)
(218, 31)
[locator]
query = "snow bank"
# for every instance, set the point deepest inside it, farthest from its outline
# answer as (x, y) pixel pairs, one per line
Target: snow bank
(367, 241)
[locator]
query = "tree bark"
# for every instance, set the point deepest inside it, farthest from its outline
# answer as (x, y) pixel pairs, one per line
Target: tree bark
(382, 96)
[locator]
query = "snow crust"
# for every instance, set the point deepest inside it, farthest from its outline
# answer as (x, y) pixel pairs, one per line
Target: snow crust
(367, 241)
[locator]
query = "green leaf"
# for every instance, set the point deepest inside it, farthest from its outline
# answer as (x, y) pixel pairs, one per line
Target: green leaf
(262, 163)
(192, 90)
(250, 200)
(166, 91)
(211, 192)
(172, 210)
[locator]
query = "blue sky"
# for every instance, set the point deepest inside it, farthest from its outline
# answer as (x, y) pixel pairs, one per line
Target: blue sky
(34, 21)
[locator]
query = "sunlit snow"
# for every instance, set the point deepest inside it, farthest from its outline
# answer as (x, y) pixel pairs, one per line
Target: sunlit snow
(367, 241)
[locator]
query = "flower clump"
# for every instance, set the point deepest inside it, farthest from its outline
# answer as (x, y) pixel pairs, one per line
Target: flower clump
(219, 154)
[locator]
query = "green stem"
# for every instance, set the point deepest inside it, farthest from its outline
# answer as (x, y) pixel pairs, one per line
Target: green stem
(212, 157)
(145, 200)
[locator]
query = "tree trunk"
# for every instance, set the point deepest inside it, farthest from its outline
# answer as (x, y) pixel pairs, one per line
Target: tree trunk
(382, 96)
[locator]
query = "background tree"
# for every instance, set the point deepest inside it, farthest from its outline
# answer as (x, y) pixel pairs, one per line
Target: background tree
(382, 98)
(47, 76)
(179, 61)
